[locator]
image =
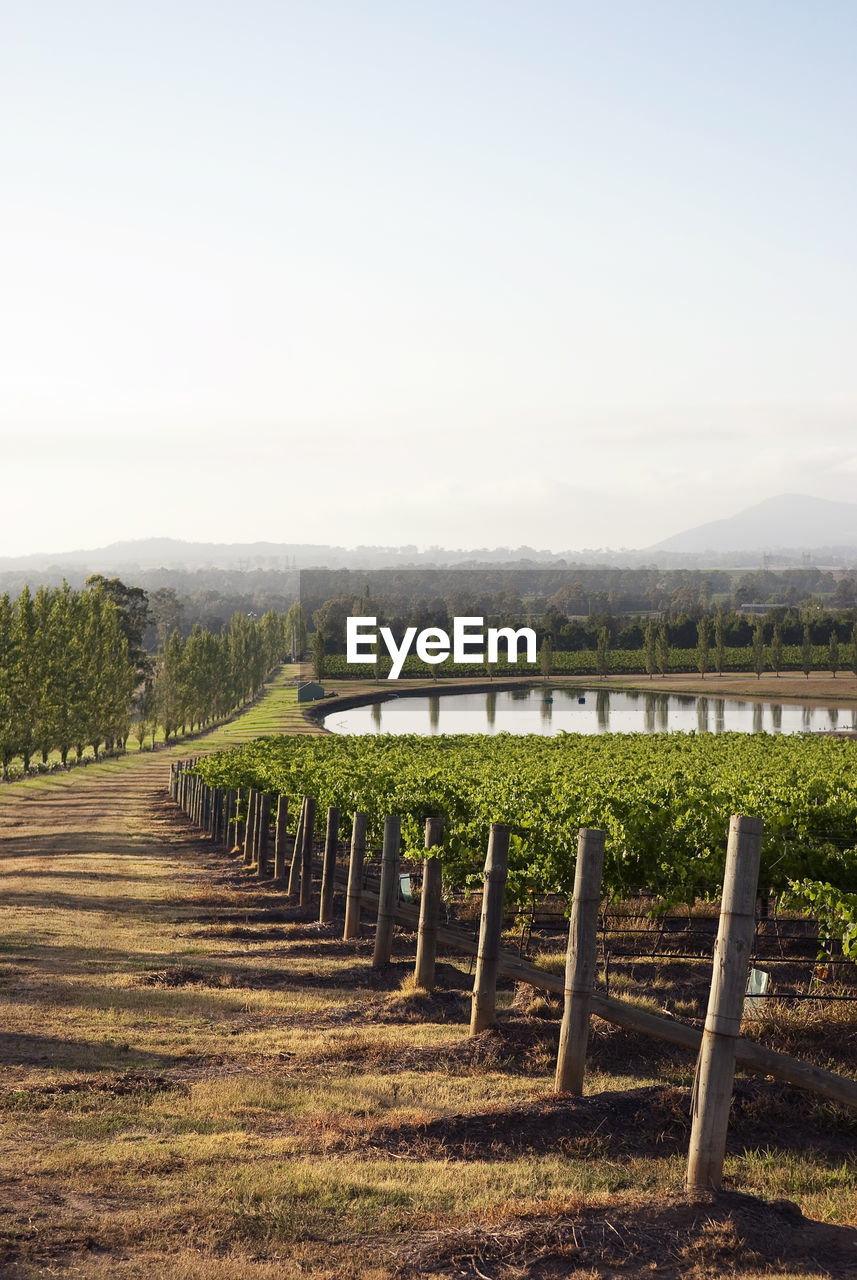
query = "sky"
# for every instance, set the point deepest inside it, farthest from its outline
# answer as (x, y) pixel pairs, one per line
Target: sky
(463, 273)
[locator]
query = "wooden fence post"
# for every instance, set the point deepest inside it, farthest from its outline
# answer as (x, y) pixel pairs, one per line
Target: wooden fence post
(388, 894)
(325, 910)
(484, 1012)
(240, 820)
(306, 853)
(228, 816)
(715, 1067)
(263, 823)
(355, 876)
(280, 838)
(580, 960)
(295, 868)
(429, 908)
(250, 829)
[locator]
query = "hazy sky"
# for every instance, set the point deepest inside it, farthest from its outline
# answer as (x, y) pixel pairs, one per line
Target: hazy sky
(466, 272)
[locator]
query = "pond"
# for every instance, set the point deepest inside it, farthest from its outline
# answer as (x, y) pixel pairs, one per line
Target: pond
(586, 710)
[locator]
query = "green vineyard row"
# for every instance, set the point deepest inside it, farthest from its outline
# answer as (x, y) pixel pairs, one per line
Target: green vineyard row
(664, 800)
(584, 662)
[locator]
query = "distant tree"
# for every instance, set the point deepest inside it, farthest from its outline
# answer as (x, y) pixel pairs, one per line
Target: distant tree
(134, 616)
(758, 648)
(719, 642)
(319, 651)
(663, 649)
(546, 657)
(833, 653)
(650, 643)
(295, 629)
(166, 610)
(602, 655)
(776, 649)
(703, 640)
(806, 651)
(854, 648)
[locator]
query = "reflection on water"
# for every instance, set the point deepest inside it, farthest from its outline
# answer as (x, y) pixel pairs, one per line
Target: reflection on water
(580, 710)
(702, 715)
(491, 710)
(649, 716)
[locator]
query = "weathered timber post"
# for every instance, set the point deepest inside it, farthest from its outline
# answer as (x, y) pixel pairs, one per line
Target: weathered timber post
(306, 853)
(484, 1012)
(355, 876)
(262, 825)
(250, 832)
(295, 868)
(228, 812)
(240, 820)
(388, 894)
(715, 1067)
(280, 838)
(429, 908)
(216, 813)
(580, 960)
(328, 872)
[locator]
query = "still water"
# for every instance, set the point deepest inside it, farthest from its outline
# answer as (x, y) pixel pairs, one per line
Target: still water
(582, 710)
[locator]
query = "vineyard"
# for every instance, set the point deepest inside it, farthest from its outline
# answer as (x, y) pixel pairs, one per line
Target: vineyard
(661, 801)
(585, 662)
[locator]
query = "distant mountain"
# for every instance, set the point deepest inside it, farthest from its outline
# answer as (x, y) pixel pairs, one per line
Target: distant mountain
(789, 528)
(172, 553)
(791, 523)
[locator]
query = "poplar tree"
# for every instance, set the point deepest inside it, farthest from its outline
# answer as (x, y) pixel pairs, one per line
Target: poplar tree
(777, 649)
(758, 648)
(602, 657)
(8, 726)
(663, 649)
(703, 639)
(719, 642)
(806, 651)
(650, 642)
(833, 652)
(546, 657)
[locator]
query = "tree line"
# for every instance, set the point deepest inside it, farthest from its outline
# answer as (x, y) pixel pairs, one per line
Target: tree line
(74, 674)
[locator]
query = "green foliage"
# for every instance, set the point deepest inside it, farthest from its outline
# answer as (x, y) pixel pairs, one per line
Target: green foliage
(650, 646)
(602, 656)
(703, 641)
(664, 800)
(72, 676)
(580, 662)
(833, 908)
(806, 653)
(776, 649)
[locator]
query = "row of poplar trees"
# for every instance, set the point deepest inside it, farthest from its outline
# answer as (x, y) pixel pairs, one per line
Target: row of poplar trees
(73, 674)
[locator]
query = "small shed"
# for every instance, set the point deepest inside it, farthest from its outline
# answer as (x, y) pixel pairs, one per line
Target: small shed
(309, 691)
